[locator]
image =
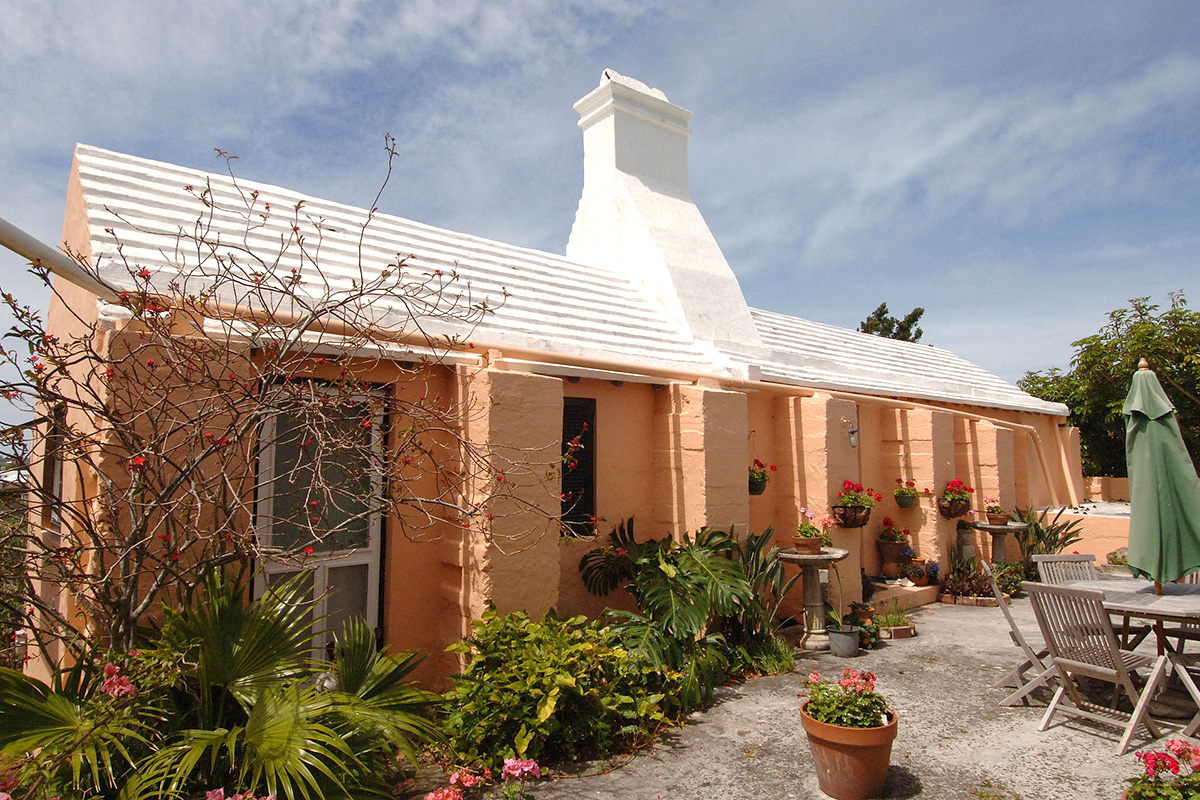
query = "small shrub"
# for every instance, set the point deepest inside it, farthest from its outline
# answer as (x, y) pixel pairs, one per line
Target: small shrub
(550, 690)
(1009, 575)
(894, 618)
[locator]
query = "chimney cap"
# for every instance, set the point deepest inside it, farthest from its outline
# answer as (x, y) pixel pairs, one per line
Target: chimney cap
(611, 75)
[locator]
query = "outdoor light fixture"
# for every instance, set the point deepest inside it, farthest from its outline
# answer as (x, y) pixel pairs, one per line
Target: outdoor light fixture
(851, 431)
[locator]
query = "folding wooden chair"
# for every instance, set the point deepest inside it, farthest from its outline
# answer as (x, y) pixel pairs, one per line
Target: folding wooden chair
(1081, 639)
(1039, 662)
(1058, 569)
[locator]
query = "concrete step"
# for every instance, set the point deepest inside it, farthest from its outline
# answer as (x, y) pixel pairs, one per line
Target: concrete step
(905, 597)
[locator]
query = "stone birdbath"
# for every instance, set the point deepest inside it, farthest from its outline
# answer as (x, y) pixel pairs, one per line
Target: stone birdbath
(1000, 536)
(815, 637)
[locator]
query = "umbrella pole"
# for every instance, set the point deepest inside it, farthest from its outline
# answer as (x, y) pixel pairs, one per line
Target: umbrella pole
(1157, 587)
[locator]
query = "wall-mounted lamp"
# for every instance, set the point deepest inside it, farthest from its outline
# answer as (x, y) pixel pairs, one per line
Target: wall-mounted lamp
(851, 431)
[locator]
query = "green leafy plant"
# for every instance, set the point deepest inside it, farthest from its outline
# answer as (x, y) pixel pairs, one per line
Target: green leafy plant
(905, 488)
(551, 689)
(894, 618)
(227, 696)
(851, 702)
(688, 593)
(1008, 575)
(1044, 536)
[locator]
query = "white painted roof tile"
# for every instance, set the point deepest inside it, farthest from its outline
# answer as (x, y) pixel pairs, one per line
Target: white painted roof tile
(554, 304)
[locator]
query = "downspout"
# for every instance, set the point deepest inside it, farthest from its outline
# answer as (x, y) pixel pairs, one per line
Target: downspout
(46, 257)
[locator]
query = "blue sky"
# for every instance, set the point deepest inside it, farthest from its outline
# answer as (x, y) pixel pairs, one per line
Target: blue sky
(1019, 170)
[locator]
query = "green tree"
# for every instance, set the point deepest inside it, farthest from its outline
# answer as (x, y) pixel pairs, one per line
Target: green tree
(1095, 386)
(881, 323)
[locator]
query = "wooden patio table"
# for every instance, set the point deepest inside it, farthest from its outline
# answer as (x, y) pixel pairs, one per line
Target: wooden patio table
(1135, 597)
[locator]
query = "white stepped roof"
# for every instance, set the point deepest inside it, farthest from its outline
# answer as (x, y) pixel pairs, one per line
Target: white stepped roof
(824, 356)
(554, 305)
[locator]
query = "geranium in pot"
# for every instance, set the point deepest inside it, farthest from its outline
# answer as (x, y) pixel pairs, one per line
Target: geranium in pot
(854, 504)
(906, 493)
(759, 474)
(996, 514)
(813, 534)
(892, 544)
(956, 499)
(850, 733)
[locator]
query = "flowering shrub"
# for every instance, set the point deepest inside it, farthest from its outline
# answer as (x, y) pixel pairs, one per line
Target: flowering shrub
(1163, 778)
(219, 794)
(957, 490)
(515, 773)
(851, 702)
(853, 494)
(905, 488)
(890, 534)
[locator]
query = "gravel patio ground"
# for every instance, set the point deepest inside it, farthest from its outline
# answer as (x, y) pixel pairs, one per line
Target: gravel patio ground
(954, 740)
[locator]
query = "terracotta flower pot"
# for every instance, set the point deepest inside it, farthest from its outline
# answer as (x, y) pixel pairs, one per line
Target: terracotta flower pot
(952, 507)
(851, 516)
(864, 615)
(807, 545)
(758, 485)
(890, 551)
(906, 500)
(997, 519)
(851, 763)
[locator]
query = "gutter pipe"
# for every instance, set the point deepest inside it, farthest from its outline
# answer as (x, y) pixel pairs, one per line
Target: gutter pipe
(46, 257)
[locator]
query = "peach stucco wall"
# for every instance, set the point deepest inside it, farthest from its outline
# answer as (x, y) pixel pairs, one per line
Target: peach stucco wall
(1101, 535)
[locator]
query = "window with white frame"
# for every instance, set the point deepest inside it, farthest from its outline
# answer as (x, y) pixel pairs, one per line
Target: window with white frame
(318, 509)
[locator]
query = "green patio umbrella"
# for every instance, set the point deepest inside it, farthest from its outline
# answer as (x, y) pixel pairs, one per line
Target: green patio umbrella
(1164, 492)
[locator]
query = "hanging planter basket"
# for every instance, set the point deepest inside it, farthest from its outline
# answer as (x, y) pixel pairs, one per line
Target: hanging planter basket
(951, 507)
(851, 516)
(906, 500)
(758, 485)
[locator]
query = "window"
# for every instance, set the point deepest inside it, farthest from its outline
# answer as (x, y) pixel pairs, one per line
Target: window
(53, 461)
(579, 466)
(320, 494)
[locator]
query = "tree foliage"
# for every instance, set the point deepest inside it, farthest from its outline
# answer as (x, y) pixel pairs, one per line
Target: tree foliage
(1103, 365)
(882, 323)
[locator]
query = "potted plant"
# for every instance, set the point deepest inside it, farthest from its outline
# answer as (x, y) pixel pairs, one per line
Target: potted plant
(1169, 774)
(854, 505)
(932, 568)
(810, 538)
(850, 733)
(843, 638)
(759, 474)
(916, 572)
(956, 499)
(892, 544)
(906, 493)
(864, 613)
(895, 624)
(996, 515)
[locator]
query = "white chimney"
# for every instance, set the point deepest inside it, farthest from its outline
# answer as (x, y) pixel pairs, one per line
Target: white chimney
(636, 212)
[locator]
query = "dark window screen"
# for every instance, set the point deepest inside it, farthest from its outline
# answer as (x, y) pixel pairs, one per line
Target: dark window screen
(579, 466)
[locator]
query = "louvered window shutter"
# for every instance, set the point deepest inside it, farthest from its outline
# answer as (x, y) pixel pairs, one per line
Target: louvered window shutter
(579, 466)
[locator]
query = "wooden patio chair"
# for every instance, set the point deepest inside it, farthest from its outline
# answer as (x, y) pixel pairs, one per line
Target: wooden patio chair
(1058, 569)
(1082, 642)
(1187, 631)
(1045, 670)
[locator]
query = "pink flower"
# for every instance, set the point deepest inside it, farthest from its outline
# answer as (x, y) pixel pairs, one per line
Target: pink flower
(118, 685)
(445, 793)
(814, 677)
(215, 794)
(111, 669)
(520, 769)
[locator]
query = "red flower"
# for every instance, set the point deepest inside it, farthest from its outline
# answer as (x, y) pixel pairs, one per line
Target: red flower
(308, 551)
(772, 468)
(137, 463)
